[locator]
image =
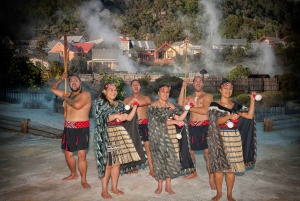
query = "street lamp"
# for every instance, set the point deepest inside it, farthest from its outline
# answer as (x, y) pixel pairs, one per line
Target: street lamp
(202, 72)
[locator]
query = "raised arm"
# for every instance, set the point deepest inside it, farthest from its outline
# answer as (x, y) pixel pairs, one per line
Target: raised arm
(181, 96)
(54, 88)
(251, 111)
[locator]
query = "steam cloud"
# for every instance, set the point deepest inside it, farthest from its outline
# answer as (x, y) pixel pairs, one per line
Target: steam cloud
(99, 26)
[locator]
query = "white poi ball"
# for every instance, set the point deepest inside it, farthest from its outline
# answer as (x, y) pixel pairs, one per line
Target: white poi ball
(229, 124)
(127, 107)
(187, 107)
(258, 97)
(178, 136)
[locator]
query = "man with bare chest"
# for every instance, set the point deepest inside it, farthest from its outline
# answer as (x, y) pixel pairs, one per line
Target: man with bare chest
(144, 101)
(198, 122)
(76, 126)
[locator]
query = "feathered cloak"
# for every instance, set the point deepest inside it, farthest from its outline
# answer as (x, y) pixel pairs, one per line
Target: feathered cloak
(102, 111)
(166, 163)
(247, 128)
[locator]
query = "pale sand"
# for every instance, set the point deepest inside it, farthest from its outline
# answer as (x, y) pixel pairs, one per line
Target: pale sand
(32, 169)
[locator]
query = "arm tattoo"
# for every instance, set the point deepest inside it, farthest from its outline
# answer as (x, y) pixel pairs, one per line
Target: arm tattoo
(69, 101)
(56, 84)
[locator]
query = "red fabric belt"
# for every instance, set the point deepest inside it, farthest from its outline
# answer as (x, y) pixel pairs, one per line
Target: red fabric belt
(77, 124)
(143, 121)
(115, 122)
(199, 123)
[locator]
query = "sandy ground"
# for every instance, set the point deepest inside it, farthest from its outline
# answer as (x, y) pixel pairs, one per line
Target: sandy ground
(32, 168)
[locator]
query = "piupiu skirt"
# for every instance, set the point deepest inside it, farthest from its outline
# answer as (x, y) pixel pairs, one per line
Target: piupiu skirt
(120, 148)
(172, 134)
(233, 148)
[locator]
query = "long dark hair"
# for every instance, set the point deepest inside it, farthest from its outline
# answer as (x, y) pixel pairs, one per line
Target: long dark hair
(102, 95)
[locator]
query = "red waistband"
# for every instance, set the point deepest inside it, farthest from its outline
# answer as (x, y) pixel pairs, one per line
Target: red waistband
(143, 121)
(77, 124)
(199, 123)
(115, 122)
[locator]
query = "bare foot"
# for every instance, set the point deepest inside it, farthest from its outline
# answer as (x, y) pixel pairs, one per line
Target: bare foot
(170, 191)
(129, 172)
(216, 198)
(85, 185)
(70, 177)
(158, 191)
(191, 176)
(212, 183)
(117, 191)
(106, 195)
(152, 174)
(135, 171)
(230, 198)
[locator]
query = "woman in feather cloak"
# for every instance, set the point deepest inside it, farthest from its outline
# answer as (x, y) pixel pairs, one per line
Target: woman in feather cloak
(170, 154)
(231, 138)
(113, 145)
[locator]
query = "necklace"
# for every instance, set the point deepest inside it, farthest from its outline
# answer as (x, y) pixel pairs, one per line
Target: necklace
(73, 96)
(196, 97)
(226, 105)
(136, 96)
(162, 106)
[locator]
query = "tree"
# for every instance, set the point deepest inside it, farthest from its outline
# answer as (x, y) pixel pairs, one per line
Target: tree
(40, 48)
(288, 82)
(18, 72)
(239, 72)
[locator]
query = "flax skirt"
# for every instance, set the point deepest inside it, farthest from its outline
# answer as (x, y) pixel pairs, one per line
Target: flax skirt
(233, 148)
(172, 134)
(120, 148)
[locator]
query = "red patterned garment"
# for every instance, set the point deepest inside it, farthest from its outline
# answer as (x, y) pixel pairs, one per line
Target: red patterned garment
(77, 124)
(199, 123)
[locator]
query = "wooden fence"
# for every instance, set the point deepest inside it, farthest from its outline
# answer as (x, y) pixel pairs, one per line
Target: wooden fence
(16, 95)
(245, 84)
(210, 84)
(265, 112)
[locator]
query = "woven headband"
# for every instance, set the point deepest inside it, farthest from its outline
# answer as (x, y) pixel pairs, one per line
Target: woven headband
(226, 84)
(161, 88)
(109, 84)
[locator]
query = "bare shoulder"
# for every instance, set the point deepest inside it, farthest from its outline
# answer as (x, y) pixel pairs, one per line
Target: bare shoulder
(147, 98)
(85, 95)
(207, 95)
(126, 100)
(155, 103)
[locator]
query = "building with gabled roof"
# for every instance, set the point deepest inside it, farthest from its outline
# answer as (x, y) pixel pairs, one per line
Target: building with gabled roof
(145, 45)
(182, 46)
(104, 59)
(164, 54)
(269, 40)
(7, 42)
(74, 39)
(72, 50)
(124, 44)
(86, 48)
(219, 44)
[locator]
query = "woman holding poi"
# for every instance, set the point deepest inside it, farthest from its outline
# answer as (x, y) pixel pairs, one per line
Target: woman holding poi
(231, 138)
(170, 155)
(113, 145)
